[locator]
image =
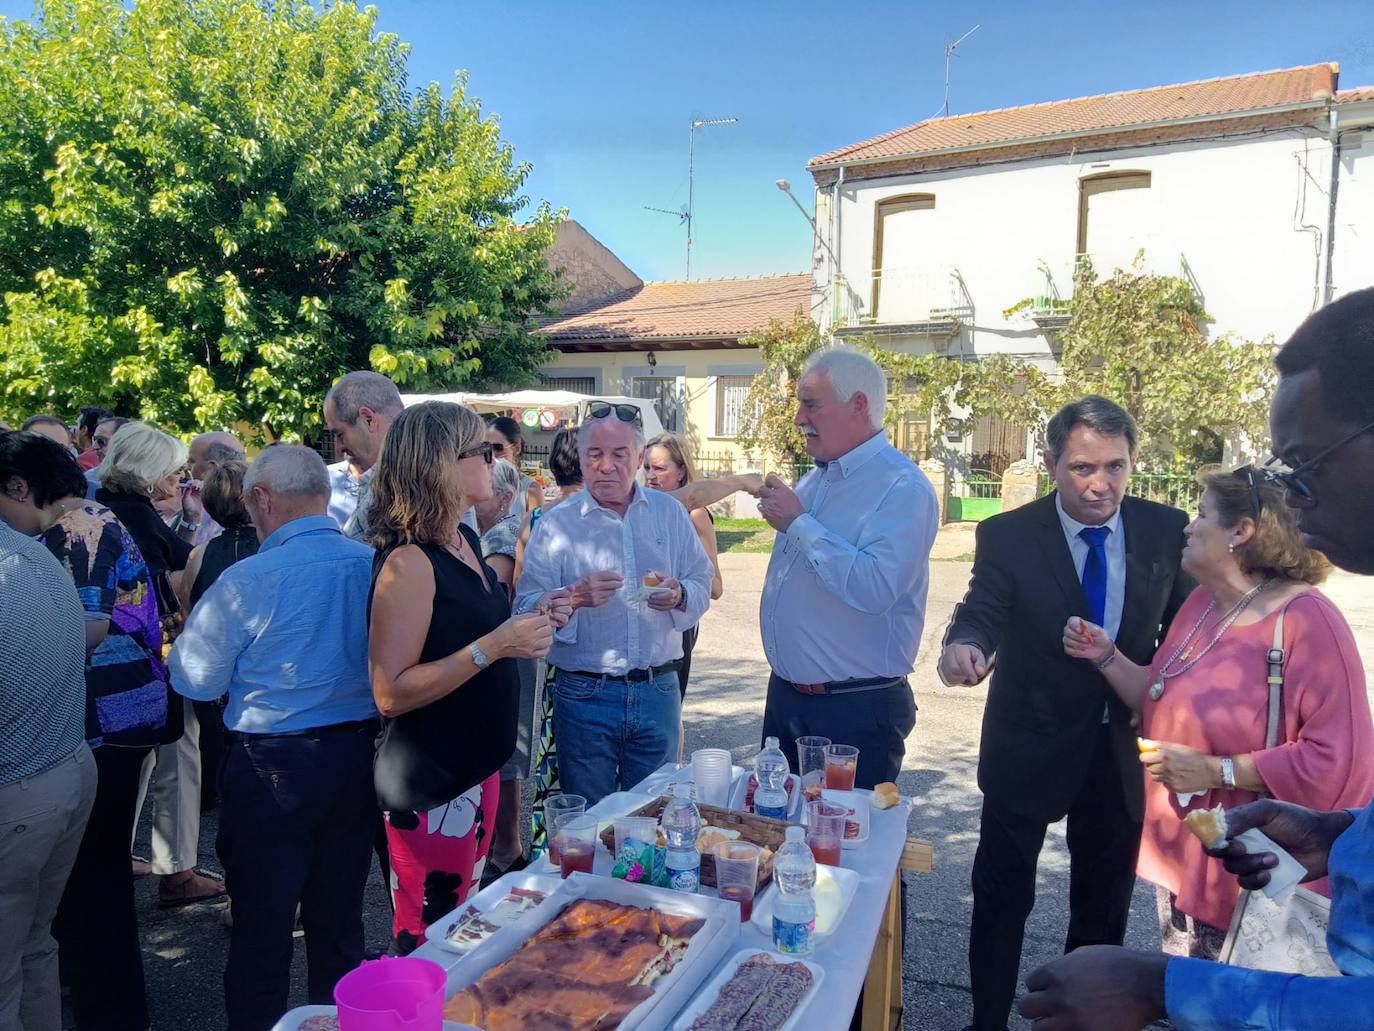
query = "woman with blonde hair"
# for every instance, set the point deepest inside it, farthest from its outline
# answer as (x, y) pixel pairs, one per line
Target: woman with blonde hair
(667, 467)
(442, 645)
(1204, 702)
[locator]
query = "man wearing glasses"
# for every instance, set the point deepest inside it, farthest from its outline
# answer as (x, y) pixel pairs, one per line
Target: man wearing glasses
(616, 700)
(1322, 423)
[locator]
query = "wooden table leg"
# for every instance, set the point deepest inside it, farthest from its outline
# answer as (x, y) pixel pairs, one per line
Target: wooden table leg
(883, 986)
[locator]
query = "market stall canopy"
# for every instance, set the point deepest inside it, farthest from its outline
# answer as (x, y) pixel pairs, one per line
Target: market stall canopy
(538, 400)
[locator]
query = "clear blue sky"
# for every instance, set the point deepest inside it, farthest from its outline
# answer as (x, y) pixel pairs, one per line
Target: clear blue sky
(597, 95)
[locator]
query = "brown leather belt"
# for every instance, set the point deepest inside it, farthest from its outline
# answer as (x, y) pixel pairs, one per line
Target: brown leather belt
(844, 686)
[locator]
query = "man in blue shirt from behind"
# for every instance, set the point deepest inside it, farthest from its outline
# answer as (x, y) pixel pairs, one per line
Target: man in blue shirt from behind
(1322, 423)
(284, 634)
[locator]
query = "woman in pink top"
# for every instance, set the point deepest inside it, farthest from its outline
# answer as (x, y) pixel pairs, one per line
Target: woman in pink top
(1203, 702)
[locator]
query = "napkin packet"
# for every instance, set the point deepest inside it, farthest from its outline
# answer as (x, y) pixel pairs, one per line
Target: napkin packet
(641, 862)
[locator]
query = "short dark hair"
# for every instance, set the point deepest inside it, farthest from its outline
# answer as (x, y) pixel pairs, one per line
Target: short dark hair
(222, 493)
(1338, 341)
(45, 465)
(564, 462)
(44, 420)
(508, 428)
(1096, 413)
(92, 416)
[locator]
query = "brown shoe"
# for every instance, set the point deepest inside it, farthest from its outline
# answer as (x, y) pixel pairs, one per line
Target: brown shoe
(140, 866)
(188, 888)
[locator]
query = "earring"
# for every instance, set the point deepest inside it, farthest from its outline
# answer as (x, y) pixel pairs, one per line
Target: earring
(1231, 548)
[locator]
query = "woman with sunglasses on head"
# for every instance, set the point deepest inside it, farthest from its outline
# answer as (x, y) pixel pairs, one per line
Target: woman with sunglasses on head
(1204, 703)
(508, 442)
(442, 649)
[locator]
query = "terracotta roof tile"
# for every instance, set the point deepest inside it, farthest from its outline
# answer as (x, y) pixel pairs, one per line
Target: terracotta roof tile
(1356, 95)
(700, 308)
(1234, 95)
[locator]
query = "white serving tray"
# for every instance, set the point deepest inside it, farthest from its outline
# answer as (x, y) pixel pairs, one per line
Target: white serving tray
(861, 801)
(795, 805)
(293, 1019)
(487, 900)
(707, 996)
(834, 890)
(717, 938)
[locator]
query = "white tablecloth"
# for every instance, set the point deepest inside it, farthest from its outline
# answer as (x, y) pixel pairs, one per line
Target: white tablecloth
(844, 954)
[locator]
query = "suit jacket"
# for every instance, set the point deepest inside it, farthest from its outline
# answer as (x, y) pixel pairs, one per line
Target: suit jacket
(1044, 709)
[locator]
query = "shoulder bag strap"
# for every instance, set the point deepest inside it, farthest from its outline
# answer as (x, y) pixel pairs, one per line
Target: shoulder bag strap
(1275, 659)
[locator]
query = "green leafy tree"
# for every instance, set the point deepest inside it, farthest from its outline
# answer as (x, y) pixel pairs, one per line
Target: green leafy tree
(210, 209)
(766, 426)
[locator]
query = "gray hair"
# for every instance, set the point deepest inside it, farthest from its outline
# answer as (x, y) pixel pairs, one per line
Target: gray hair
(505, 477)
(589, 425)
(139, 456)
(288, 469)
(218, 451)
(1097, 413)
(364, 389)
(851, 372)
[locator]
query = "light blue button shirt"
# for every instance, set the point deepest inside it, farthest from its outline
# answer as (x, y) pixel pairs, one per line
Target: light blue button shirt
(845, 594)
(1200, 995)
(284, 633)
(578, 537)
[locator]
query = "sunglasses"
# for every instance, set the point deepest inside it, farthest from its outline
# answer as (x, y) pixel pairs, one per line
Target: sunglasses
(500, 449)
(101, 441)
(484, 449)
(1291, 479)
(623, 412)
(1252, 478)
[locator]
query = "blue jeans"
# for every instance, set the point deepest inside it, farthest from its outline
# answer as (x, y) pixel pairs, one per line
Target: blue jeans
(611, 733)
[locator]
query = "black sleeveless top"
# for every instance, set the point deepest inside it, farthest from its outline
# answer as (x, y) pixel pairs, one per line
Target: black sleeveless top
(433, 754)
(232, 545)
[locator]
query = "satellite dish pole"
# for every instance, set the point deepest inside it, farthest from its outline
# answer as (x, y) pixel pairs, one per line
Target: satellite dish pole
(693, 126)
(949, 53)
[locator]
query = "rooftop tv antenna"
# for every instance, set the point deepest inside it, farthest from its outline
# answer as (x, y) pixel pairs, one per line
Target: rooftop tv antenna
(688, 212)
(949, 54)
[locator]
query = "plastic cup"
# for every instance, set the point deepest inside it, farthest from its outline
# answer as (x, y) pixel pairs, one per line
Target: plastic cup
(711, 770)
(841, 764)
(576, 838)
(825, 830)
(737, 874)
(554, 806)
(392, 994)
(641, 828)
(811, 765)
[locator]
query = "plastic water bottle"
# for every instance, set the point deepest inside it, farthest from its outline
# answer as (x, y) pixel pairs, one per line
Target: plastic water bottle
(681, 823)
(771, 769)
(794, 909)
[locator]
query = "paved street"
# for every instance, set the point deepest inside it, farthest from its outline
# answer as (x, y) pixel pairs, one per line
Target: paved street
(184, 949)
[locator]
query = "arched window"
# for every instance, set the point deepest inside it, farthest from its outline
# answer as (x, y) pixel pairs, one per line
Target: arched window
(902, 245)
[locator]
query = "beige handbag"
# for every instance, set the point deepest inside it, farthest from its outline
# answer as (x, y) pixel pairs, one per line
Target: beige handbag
(1290, 936)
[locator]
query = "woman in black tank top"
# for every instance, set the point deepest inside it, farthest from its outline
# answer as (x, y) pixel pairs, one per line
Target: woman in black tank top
(442, 645)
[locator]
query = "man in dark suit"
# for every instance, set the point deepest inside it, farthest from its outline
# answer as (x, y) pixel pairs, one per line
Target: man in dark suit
(1056, 741)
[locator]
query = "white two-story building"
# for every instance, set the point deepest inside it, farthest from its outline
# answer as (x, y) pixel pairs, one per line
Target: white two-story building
(1257, 188)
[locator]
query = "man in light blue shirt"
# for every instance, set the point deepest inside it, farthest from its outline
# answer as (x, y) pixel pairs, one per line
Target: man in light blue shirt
(616, 699)
(284, 634)
(844, 601)
(1322, 423)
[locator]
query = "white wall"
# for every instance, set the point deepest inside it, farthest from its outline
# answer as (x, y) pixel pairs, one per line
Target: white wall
(1353, 261)
(1228, 207)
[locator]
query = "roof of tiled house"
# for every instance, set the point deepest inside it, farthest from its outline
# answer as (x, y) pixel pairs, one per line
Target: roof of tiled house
(707, 308)
(1210, 99)
(1356, 95)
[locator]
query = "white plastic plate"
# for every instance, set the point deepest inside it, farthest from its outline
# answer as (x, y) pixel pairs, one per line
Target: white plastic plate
(707, 995)
(834, 890)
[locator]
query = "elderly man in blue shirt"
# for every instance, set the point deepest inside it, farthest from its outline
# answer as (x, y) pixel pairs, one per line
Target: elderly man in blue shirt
(284, 634)
(1322, 423)
(844, 600)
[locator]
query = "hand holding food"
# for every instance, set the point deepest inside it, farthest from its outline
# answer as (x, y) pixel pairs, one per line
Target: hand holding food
(1179, 768)
(1088, 641)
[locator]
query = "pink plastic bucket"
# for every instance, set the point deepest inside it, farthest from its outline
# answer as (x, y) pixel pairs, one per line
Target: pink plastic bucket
(404, 994)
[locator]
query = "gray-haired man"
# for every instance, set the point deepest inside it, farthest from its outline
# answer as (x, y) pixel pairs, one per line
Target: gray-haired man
(358, 410)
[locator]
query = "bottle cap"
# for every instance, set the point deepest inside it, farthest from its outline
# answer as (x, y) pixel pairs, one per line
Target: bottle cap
(770, 742)
(795, 833)
(681, 790)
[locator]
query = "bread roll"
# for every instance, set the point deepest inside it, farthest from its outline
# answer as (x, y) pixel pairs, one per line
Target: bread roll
(1209, 825)
(885, 796)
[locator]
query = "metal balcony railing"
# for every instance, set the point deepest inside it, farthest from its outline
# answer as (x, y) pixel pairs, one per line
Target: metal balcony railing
(902, 296)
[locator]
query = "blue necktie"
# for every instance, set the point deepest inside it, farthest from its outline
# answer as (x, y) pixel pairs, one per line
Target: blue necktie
(1095, 572)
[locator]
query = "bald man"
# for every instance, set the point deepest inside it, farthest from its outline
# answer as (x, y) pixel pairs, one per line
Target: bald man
(207, 452)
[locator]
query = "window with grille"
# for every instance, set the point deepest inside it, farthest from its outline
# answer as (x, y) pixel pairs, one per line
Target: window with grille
(731, 395)
(575, 384)
(662, 390)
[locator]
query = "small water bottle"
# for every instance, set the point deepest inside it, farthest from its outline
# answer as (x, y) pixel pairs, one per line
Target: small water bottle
(794, 909)
(681, 823)
(771, 770)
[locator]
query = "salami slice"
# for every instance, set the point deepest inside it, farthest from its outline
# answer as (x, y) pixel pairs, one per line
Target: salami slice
(737, 995)
(778, 1000)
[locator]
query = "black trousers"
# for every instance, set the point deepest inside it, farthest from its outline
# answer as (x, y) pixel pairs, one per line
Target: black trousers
(875, 722)
(297, 823)
(689, 641)
(1103, 844)
(96, 926)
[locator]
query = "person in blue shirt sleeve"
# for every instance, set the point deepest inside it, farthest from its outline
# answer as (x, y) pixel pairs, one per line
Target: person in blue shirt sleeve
(1322, 424)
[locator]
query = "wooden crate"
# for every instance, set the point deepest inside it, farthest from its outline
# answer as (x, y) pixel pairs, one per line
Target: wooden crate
(760, 830)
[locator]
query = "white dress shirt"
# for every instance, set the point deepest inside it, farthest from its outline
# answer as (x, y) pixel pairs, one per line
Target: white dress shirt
(578, 537)
(845, 594)
(1115, 546)
(343, 493)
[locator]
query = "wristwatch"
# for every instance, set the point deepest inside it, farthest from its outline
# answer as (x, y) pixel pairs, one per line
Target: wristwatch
(681, 605)
(479, 658)
(1228, 772)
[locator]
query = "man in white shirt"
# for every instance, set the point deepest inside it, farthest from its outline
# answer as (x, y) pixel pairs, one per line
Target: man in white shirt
(343, 490)
(616, 700)
(844, 600)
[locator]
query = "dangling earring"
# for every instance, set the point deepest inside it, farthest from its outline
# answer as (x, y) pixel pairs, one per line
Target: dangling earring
(1231, 548)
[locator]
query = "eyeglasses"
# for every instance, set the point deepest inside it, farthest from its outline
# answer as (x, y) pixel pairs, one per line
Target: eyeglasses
(484, 449)
(1252, 478)
(500, 449)
(623, 412)
(101, 441)
(1291, 479)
